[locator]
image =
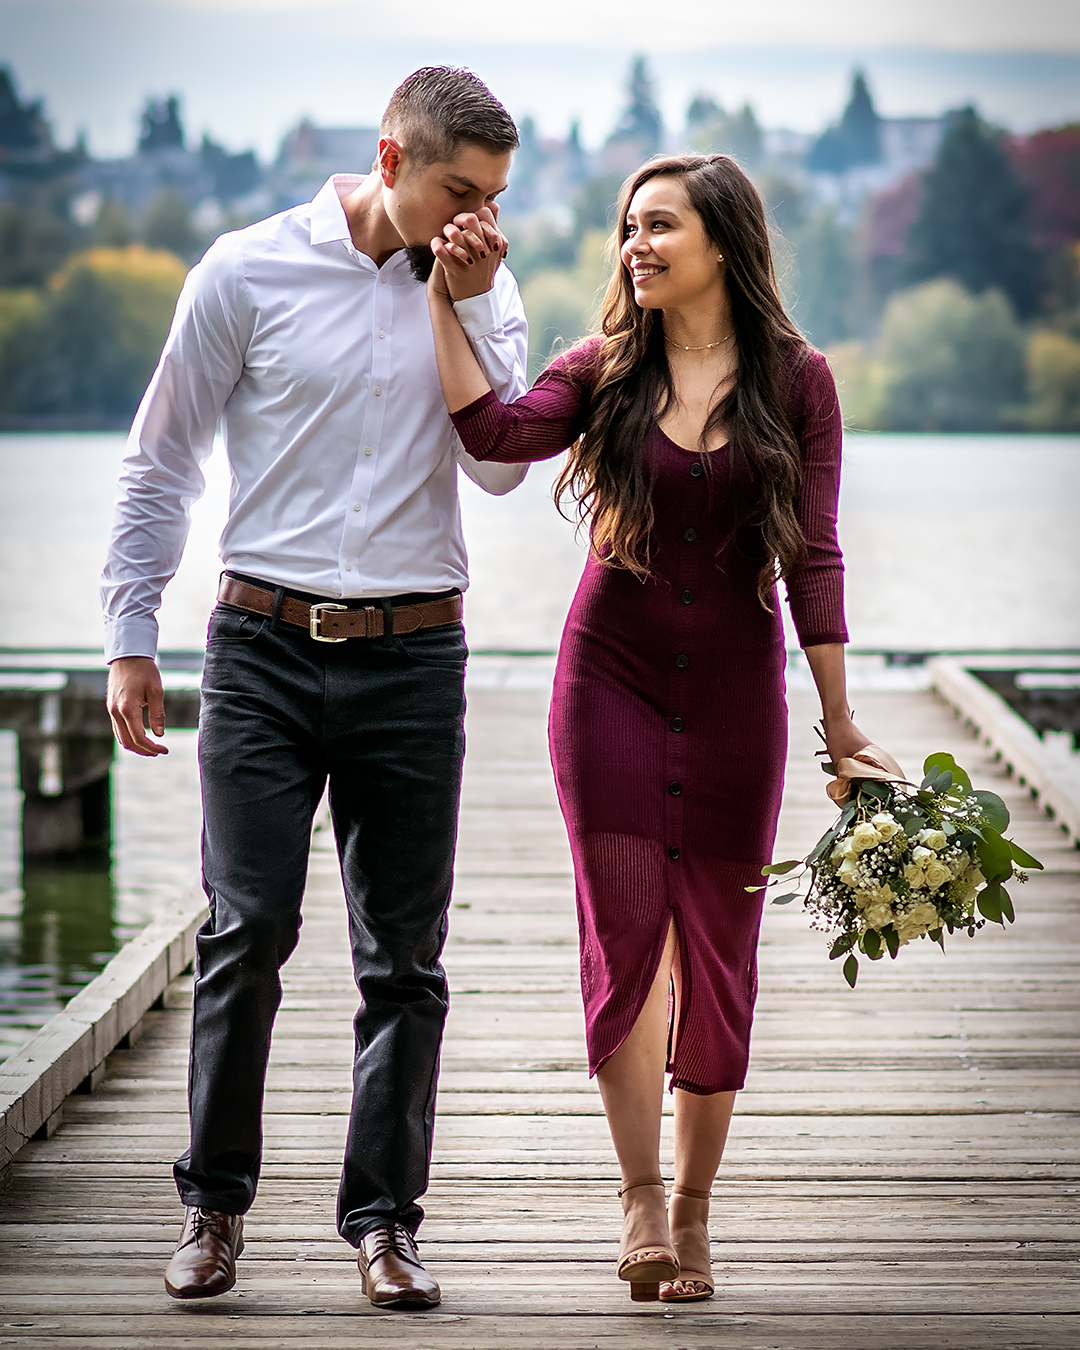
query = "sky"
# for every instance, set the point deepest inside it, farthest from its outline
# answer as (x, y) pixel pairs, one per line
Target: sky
(247, 70)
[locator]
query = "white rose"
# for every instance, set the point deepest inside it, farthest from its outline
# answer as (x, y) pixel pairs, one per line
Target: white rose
(913, 875)
(936, 873)
(885, 824)
(878, 915)
(864, 836)
(848, 872)
(920, 919)
(932, 839)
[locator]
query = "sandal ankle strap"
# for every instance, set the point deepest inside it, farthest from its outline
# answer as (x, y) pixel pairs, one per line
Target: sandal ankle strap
(689, 1190)
(640, 1181)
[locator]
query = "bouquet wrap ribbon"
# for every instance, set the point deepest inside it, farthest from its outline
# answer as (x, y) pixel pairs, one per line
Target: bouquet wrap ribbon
(870, 762)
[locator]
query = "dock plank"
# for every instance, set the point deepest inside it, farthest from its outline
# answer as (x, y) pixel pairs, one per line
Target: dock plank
(904, 1165)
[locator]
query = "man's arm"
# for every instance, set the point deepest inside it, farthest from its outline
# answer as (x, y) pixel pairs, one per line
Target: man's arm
(171, 436)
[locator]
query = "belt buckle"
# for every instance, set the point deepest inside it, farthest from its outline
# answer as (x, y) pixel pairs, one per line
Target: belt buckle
(314, 617)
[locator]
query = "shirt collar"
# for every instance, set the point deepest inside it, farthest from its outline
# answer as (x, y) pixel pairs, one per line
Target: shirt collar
(328, 223)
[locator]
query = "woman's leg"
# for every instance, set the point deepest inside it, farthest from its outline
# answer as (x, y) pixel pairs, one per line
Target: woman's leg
(701, 1129)
(632, 1088)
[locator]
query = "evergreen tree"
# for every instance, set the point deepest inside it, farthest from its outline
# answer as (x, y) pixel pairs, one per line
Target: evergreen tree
(161, 128)
(855, 140)
(973, 218)
(641, 122)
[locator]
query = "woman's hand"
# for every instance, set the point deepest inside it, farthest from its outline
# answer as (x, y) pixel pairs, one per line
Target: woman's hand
(438, 288)
(470, 250)
(843, 739)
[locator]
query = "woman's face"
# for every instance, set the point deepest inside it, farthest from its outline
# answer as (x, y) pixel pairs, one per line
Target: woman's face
(671, 260)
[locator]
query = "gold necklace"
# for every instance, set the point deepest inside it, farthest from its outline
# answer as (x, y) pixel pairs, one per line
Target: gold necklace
(706, 348)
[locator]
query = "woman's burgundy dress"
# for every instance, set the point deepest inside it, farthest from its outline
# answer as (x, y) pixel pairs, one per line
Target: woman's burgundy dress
(668, 719)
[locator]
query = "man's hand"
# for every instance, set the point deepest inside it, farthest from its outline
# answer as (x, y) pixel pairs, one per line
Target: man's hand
(135, 684)
(471, 249)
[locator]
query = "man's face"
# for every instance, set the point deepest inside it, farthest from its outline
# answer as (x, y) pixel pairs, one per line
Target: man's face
(422, 200)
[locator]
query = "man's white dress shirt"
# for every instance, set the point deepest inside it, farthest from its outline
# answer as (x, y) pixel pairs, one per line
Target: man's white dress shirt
(321, 368)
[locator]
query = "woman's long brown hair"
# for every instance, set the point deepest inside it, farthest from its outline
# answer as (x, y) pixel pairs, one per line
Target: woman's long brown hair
(605, 472)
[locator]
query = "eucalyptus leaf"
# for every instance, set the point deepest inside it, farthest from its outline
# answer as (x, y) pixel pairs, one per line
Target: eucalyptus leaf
(892, 940)
(945, 764)
(871, 944)
(995, 857)
(843, 943)
(781, 868)
(938, 936)
(994, 811)
(851, 970)
(1007, 910)
(752, 889)
(1022, 857)
(989, 902)
(785, 899)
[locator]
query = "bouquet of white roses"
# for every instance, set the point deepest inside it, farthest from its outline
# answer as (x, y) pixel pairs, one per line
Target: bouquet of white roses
(904, 862)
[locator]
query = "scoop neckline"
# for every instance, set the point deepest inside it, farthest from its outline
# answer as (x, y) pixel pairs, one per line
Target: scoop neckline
(683, 448)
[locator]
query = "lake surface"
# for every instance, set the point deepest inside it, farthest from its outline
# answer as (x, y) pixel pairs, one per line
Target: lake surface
(951, 543)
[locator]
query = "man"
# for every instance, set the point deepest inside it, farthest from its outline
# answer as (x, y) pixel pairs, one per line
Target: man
(336, 652)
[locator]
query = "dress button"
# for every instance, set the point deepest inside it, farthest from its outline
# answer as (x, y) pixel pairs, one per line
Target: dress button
(676, 724)
(690, 534)
(673, 853)
(675, 789)
(687, 598)
(696, 471)
(682, 661)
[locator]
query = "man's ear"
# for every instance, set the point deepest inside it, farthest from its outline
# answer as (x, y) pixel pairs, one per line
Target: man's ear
(389, 158)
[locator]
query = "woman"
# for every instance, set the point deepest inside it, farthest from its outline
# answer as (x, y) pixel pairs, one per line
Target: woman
(705, 450)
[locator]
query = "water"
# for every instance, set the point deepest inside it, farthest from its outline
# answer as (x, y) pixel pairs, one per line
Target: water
(961, 543)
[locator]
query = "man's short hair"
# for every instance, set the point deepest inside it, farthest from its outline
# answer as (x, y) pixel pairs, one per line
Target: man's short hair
(440, 108)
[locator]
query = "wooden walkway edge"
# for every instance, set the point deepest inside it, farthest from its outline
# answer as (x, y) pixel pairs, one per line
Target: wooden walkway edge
(903, 1170)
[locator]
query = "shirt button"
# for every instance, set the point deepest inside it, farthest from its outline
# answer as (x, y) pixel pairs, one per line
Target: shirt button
(357, 506)
(676, 724)
(690, 534)
(378, 391)
(687, 598)
(348, 567)
(696, 471)
(367, 449)
(673, 853)
(381, 333)
(384, 280)
(682, 661)
(675, 789)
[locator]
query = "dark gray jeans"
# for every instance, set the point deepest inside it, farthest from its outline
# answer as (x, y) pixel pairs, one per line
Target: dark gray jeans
(381, 719)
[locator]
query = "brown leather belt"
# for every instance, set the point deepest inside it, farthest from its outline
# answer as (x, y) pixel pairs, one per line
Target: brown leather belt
(327, 621)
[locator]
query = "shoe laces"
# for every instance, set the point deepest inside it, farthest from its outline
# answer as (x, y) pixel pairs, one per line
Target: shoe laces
(396, 1238)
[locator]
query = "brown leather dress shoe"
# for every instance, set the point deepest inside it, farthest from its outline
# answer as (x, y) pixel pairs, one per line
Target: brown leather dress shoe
(391, 1273)
(204, 1263)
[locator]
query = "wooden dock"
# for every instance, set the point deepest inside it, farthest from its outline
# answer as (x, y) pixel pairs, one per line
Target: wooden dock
(903, 1168)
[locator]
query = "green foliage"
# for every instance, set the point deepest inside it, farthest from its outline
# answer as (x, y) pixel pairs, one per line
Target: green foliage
(715, 132)
(973, 218)
(951, 361)
(87, 347)
(563, 306)
(823, 277)
(596, 203)
(1053, 369)
(167, 225)
(20, 319)
(36, 235)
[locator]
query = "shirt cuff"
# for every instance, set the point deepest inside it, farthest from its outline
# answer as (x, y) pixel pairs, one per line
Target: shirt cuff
(479, 315)
(131, 637)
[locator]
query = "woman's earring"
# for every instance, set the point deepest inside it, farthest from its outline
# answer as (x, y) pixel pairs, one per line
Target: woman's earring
(719, 257)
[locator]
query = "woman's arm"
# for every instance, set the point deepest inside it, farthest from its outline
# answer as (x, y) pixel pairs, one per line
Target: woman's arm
(536, 426)
(463, 382)
(843, 739)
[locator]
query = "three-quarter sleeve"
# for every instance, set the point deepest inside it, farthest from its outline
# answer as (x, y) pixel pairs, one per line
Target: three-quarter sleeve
(536, 426)
(816, 587)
